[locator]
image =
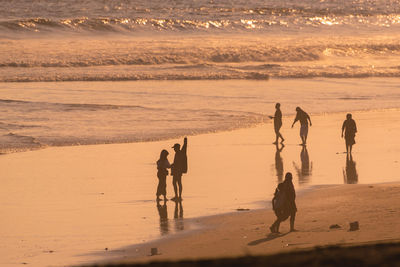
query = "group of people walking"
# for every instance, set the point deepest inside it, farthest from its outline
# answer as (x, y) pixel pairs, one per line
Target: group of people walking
(349, 128)
(178, 167)
(283, 202)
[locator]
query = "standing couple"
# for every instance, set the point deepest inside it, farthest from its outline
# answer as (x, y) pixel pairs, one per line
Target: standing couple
(178, 167)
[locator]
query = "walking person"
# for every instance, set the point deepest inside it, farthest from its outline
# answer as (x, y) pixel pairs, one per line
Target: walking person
(304, 118)
(162, 172)
(284, 204)
(349, 128)
(179, 166)
(277, 123)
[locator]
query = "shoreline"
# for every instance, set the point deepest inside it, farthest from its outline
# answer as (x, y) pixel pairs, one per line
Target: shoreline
(239, 238)
(265, 121)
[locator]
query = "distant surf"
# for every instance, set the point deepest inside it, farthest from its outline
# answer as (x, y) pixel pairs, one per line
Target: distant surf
(197, 40)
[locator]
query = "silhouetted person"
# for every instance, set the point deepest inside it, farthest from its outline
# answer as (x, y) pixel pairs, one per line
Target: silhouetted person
(284, 204)
(349, 128)
(277, 122)
(178, 216)
(350, 174)
(306, 167)
(163, 212)
(304, 118)
(178, 168)
(279, 163)
(162, 172)
(278, 205)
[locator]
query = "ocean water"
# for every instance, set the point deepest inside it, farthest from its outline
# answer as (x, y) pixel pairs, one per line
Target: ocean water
(49, 49)
(96, 40)
(149, 41)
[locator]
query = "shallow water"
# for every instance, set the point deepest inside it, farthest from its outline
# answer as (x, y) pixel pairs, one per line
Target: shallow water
(38, 115)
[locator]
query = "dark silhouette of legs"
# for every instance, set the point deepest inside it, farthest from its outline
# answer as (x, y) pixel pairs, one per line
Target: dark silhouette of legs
(303, 133)
(278, 134)
(275, 226)
(162, 187)
(180, 187)
(174, 182)
(177, 182)
(292, 218)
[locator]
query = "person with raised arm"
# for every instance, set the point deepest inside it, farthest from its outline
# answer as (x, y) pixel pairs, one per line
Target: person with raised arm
(179, 166)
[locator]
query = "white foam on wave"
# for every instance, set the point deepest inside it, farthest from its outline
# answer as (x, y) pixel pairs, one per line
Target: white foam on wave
(198, 58)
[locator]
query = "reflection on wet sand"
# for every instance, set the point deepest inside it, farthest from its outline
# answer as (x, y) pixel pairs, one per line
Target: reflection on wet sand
(164, 222)
(279, 163)
(305, 171)
(163, 212)
(178, 216)
(350, 174)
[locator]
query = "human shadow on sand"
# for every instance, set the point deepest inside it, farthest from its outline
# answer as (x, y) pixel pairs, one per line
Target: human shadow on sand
(270, 237)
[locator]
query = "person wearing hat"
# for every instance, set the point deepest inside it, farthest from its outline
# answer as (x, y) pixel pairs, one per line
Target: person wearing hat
(179, 166)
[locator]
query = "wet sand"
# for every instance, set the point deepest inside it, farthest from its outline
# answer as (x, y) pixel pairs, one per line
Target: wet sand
(247, 234)
(342, 193)
(76, 205)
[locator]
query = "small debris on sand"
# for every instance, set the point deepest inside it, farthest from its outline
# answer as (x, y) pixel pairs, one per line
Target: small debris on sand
(354, 226)
(240, 209)
(334, 226)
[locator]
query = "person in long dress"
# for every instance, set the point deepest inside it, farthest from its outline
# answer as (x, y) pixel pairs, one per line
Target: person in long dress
(162, 172)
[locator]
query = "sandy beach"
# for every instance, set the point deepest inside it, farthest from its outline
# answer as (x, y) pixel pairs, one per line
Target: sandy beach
(85, 204)
(323, 200)
(247, 234)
